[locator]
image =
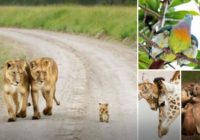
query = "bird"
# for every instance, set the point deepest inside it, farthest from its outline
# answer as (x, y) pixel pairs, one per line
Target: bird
(180, 35)
(172, 40)
(191, 52)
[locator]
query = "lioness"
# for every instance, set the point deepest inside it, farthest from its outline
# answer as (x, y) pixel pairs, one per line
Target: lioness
(103, 112)
(16, 88)
(44, 75)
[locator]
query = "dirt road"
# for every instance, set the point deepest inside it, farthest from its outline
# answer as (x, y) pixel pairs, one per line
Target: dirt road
(90, 71)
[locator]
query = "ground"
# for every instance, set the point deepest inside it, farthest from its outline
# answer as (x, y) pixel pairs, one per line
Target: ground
(90, 71)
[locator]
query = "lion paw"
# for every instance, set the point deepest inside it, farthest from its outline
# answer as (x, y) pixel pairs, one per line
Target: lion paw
(36, 117)
(11, 119)
(21, 114)
(47, 111)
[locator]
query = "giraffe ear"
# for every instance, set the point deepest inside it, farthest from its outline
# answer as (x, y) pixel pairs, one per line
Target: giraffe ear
(106, 105)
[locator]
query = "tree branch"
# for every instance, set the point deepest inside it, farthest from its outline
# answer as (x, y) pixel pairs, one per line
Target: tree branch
(149, 11)
(151, 43)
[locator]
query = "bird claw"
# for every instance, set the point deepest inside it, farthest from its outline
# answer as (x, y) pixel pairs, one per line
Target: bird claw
(167, 50)
(180, 56)
(153, 43)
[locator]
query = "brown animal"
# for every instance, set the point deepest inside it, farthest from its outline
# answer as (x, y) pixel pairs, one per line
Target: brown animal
(188, 124)
(44, 75)
(16, 88)
(185, 96)
(191, 112)
(150, 93)
(176, 77)
(103, 112)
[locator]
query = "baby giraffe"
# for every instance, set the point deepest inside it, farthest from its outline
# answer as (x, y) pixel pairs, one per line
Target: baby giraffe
(103, 113)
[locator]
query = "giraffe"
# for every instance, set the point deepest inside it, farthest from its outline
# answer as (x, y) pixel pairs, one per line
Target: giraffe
(163, 96)
(169, 106)
(149, 92)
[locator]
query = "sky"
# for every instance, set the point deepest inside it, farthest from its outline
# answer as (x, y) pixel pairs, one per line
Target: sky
(195, 26)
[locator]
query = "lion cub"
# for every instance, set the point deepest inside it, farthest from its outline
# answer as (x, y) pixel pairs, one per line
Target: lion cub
(103, 112)
(16, 88)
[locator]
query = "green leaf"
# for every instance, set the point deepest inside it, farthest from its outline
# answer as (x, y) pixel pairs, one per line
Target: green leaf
(178, 2)
(152, 4)
(144, 61)
(180, 14)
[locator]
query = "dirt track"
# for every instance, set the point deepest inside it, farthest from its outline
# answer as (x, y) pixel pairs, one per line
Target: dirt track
(90, 71)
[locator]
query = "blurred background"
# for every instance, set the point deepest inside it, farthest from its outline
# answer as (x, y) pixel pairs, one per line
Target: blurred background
(103, 19)
(84, 2)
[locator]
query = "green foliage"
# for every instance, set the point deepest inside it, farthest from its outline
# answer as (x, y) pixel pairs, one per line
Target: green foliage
(144, 60)
(83, 2)
(148, 20)
(118, 22)
(178, 2)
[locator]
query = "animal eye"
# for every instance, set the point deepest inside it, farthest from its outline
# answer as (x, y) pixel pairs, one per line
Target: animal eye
(162, 104)
(13, 72)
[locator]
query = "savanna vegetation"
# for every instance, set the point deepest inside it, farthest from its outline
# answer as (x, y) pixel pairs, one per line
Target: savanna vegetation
(84, 2)
(118, 22)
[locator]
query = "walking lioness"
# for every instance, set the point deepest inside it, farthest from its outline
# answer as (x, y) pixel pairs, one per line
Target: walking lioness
(16, 88)
(44, 75)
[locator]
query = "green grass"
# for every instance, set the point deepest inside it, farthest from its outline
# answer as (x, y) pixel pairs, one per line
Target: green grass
(116, 22)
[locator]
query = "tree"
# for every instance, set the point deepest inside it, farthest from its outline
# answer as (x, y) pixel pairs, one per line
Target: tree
(153, 15)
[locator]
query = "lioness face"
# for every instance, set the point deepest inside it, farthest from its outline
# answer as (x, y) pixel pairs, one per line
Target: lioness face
(14, 72)
(39, 71)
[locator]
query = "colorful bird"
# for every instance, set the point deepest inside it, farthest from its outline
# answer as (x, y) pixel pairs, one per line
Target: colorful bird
(175, 39)
(180, 35)
(191, 52)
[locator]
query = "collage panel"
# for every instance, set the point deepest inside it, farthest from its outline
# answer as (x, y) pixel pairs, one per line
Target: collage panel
(190, 111)
(159, 105)
(169, 34)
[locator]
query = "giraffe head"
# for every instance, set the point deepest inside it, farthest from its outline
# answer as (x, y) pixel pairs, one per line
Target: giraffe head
(169, 106)
(149, 92)
(176, 78)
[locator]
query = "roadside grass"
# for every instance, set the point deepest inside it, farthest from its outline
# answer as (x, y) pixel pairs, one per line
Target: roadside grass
(115, 22)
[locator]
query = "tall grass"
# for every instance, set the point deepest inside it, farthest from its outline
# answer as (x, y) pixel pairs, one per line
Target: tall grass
(118, 22)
